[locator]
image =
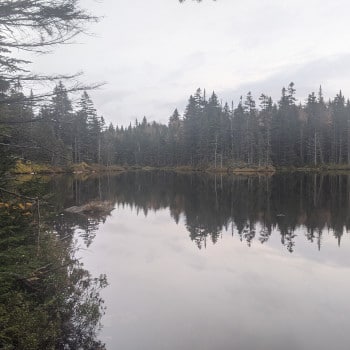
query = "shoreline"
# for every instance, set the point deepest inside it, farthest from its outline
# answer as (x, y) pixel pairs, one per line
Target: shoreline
(83, 168)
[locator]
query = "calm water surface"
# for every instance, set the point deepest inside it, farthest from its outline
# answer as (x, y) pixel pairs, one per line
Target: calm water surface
(212, 262)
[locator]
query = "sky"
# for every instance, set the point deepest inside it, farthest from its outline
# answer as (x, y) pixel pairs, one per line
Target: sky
(153, 54)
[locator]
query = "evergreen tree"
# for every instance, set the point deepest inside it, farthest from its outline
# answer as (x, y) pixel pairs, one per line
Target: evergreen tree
(175, 138)
(92, 143)
(192, 123)
(61, 114)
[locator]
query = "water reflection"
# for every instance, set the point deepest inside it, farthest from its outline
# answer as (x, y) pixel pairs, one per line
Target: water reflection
(166, 294)
(250, 207)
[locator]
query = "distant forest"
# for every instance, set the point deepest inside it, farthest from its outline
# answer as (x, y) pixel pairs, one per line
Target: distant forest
(209, 134)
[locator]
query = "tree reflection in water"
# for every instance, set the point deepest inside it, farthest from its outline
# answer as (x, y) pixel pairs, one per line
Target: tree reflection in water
(250, 206)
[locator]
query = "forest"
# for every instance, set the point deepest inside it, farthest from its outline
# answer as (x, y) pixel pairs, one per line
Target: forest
(210, 134)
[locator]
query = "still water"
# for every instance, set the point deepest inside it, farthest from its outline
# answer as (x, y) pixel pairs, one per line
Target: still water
(219, 262)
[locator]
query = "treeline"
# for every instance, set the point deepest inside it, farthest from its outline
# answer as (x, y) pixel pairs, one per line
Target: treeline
(213, 134)
(209, 134)
(55, 134)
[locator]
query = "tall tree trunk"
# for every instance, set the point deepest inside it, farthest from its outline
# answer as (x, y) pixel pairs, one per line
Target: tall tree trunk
(315, 148)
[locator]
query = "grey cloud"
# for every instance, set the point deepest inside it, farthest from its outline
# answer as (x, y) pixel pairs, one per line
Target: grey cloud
(187, 63)
(307, 78)
(155, 54)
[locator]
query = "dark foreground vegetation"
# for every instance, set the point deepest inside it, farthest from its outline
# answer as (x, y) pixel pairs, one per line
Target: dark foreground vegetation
(47, 299)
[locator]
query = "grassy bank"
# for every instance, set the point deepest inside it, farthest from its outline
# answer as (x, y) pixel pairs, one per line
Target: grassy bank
(323, 168)
(31, 168)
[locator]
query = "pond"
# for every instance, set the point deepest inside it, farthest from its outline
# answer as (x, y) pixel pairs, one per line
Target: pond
(222, 262)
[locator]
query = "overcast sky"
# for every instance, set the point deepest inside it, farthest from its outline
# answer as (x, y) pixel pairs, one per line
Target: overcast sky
(154, 53)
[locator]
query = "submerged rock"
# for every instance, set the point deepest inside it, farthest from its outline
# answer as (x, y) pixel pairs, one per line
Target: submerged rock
(94, 207)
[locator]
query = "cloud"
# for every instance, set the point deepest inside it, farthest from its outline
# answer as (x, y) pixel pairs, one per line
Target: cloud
(155, 54)
(331, 72)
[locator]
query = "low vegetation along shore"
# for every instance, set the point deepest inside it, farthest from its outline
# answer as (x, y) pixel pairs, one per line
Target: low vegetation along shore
(30, 168)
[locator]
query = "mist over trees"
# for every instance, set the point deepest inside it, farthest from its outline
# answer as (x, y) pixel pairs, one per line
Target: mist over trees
(254, 134)
(209, 134)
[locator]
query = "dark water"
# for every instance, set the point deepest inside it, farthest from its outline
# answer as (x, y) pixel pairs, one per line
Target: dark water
(218, 262)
